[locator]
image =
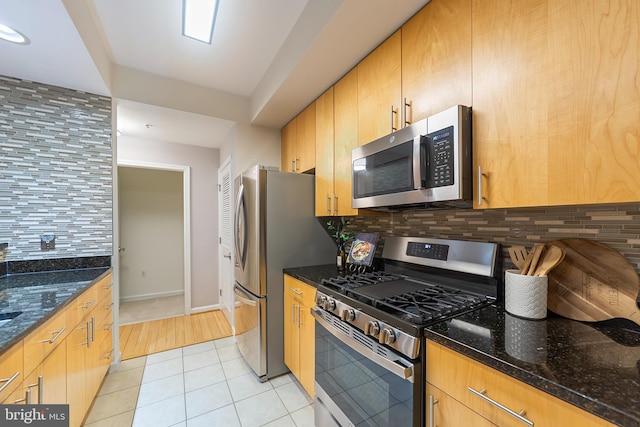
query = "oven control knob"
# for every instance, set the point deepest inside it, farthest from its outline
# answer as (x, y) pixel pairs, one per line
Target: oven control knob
(329, 304)
(348, 315)
(388, 336)
(372, 328)
(320, 299)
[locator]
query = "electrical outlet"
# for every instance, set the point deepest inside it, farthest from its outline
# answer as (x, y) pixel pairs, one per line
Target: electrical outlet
(47, 242)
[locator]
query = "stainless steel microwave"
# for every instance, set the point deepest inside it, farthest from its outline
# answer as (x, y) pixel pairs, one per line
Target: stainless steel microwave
(426, 164)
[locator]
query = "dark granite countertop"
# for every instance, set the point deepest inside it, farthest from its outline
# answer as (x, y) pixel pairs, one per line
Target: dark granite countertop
(39, 296)
(594, 366)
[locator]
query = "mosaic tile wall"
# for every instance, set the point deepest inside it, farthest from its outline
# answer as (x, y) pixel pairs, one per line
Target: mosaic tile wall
(615, 225)
(55, 171)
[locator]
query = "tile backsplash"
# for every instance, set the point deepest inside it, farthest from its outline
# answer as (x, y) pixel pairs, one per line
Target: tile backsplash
(55, 171)
(615, 225)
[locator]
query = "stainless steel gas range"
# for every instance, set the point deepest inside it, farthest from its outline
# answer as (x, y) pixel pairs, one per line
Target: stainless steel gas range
(370, 327)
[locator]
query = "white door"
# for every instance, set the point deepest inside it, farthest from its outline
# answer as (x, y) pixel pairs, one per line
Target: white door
(225, 215)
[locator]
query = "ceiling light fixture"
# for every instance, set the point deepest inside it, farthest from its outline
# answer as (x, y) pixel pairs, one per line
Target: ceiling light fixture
(9, 34)
(198, 19)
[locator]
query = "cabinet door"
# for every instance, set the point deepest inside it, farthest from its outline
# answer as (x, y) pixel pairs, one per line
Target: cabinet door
(307, 340)
(448, 412)
(324, 154)
(306, 139)
(11, 371)
(288, 147)
(291, 334)
(436, 59)
(556, 102)
(48, 382)
(78, 395)
(379, 90)
(346, 139)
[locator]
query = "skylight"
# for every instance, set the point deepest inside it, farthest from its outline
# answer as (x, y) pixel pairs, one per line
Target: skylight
(198, 19)
(9, 34)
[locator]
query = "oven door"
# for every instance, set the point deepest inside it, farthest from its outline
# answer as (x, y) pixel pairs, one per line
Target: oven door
(360, 383)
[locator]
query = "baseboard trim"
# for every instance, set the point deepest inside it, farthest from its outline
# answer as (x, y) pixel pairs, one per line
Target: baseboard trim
(153, 295)
(202, 309)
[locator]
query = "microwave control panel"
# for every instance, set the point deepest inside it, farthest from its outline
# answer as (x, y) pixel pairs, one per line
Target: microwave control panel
(440, 155)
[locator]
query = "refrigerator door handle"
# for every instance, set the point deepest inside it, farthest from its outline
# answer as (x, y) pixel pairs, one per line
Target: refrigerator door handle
(241, 298)
(241, 250)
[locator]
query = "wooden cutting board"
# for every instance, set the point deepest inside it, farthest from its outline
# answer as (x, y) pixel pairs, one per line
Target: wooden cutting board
(594, 282)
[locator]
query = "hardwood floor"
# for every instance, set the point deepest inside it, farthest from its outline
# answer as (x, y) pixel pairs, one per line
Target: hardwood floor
(145, 338)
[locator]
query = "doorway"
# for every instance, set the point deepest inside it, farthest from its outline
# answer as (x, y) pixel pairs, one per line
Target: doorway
(154, 241)
(225, 227)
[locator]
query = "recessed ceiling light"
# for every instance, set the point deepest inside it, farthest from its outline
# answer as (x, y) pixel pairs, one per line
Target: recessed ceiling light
(13, 36)
(198, 18)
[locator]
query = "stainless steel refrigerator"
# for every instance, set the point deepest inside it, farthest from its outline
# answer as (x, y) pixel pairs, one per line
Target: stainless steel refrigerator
(275, 228)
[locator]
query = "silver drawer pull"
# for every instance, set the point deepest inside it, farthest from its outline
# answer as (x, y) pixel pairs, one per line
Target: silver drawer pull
(108, 306)
(517, 415)
(56, 335)
(8, 381)
(89, 304)
(295, 291)
(432, 403)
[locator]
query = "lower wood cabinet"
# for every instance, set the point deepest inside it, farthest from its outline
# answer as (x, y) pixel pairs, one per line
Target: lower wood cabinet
(65, 359)
(489, 396)
(299, 331)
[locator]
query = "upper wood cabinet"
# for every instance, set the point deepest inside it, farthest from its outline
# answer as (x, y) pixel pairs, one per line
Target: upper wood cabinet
(380, 91)
(336, 136)
(436, 59)
(556, 102)
(298, 142)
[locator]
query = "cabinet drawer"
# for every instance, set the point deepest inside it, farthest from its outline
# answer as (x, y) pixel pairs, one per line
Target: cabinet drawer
(81, 306)
(445, 411)
(44, 340)
(11, 370)
(104, 286)
(483, 389)
(304, 293)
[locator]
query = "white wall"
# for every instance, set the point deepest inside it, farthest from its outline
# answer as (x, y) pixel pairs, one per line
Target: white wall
(252, 145)
(204, 164)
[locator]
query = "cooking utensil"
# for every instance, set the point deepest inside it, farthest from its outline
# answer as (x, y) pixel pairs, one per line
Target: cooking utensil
(553, 255)
(518, 256)
(538, 250)
(593, 282)
(527, 262)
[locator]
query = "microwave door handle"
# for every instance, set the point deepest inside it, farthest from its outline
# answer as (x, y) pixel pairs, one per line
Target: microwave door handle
(418, 164)
(424, 162)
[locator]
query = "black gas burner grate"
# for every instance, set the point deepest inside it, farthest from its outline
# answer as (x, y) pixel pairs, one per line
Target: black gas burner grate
(431, 303)
(354, 281)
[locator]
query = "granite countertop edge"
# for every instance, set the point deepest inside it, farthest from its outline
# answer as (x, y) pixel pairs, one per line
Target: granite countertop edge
(23, 333)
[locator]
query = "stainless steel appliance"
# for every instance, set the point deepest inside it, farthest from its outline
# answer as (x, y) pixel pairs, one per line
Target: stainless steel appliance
(426, 164)
(370, 327)
(275, 228)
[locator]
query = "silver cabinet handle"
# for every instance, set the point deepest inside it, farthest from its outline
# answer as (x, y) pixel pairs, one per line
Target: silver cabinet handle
(335, 204)
(297, 163)
(300, 322)
(517, 415)
(328, 201)
(393, 113)
(406, 106)
(293, 165)
(295, 291)
(293, 313)
(227, 255)
(480, 176)
(8, 381)
(89, 304)
(432, 403)
(40, 385)
(108, 356)
(56, 335)
(108, 307)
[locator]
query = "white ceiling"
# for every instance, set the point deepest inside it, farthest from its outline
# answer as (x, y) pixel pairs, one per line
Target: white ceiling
(275, 55)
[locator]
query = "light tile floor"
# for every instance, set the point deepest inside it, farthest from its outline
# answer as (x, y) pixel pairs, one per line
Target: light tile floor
(206, 384)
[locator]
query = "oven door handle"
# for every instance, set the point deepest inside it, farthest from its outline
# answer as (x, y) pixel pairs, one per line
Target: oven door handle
(402, 371)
